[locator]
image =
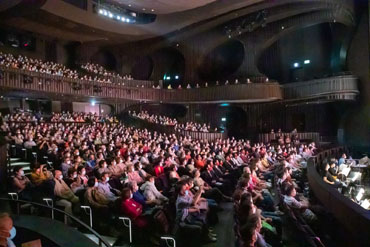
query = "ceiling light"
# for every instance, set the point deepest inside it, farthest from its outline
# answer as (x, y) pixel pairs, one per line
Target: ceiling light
(123, 19)
(110, 15)
(152, 10)
(128, 20)
(129, 5)
(143, 9)
(101, 11)
(118, 17)
(105, 12)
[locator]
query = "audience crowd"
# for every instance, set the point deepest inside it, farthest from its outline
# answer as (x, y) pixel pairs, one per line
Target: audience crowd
(89, 71)
(167, 121)
(145, 176)
(101, 71)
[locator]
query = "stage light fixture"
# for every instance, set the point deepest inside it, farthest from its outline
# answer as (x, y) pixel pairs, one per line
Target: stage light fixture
(177, 77)
(168, 78)
(296, 65)
(223, 119)
(307, 61)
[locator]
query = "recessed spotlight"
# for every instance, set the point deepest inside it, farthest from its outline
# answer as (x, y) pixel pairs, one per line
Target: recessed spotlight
(105, 12)
(144, 9)
(152, 10)
(101, 11)
(123, 19)
(110, 15)
(129, 5)
(128, 20)
(118, 17)
(282, 27)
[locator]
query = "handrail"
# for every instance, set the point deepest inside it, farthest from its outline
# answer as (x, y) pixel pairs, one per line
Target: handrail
(101, 239)
(38, 82)
(350, 214)
(324, 87)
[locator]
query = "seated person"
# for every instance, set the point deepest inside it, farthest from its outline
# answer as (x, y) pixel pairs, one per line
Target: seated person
(140, 170)
(329, 178)
(132, 209)
(133, 175)
(189, 211)
(43, 179)
(94, 197)
(61, 190)
(303, 206)
(151, 192)
(139, 197)
(21, 184)
(105, 188)
(114, 169)
(209, 192)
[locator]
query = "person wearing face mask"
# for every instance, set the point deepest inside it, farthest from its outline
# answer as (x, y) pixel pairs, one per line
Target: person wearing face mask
(66, 165)
(133, 175)
(132, 209)
(188, 212)
(21, 184)
(151, 192)
(97, 200)
(103, 167)
(7, 231)
(66, 195)
(105, 188)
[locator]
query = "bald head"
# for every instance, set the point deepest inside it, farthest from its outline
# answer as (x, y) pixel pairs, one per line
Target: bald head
(6, 224)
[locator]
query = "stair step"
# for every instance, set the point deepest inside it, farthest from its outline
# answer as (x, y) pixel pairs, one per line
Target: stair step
(20, 164)
(110, 240)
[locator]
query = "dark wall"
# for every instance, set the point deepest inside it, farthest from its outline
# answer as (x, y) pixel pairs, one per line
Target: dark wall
(321, 44)
(357, 123)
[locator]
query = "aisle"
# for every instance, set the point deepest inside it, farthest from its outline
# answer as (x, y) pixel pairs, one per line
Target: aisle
(224, 228)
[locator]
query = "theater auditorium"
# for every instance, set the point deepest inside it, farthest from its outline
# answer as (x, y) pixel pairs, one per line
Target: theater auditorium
(184, 123)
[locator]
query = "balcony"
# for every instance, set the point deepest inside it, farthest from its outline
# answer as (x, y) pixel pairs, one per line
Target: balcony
(34, 84)
(325, 89)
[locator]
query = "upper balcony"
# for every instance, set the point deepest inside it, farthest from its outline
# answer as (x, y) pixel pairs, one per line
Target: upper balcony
(326, 89)
(28, 84)
(34, 82)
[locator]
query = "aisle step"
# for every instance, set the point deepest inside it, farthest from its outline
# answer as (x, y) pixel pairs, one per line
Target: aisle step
(110, 240)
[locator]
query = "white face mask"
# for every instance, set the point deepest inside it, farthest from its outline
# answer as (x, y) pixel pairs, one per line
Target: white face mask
(83, 173)
(186, 192)
(21, 173)
(96, 184)
(106, 179)
(60, 177)
(140, 166)
(74, 175)
(131, 195)
(12, 232)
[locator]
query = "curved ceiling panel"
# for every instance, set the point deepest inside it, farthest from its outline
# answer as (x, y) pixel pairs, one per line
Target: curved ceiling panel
(163, 6)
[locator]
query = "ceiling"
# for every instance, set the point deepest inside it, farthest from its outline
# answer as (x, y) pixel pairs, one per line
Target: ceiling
(162, 6)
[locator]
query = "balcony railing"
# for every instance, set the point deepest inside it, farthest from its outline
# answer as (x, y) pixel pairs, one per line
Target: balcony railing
(339, 87)
(332, 88)
(16, 79)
